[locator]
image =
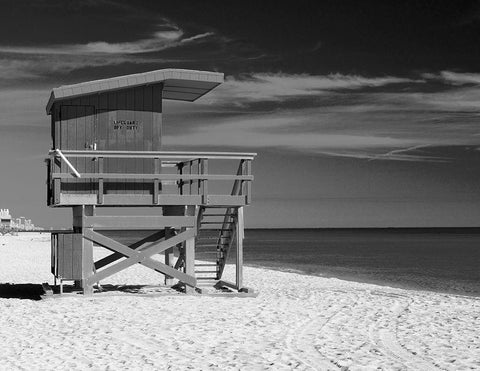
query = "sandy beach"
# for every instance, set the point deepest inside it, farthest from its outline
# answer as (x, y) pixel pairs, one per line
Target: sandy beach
(296, 322)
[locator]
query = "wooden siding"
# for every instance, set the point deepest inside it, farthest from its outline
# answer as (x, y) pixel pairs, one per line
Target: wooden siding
(80, 123)
(69, 256)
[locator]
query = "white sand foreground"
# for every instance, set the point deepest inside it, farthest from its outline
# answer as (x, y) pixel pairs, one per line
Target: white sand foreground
(297, 322)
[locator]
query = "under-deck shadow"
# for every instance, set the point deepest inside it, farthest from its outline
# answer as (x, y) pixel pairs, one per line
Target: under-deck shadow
(31, 291)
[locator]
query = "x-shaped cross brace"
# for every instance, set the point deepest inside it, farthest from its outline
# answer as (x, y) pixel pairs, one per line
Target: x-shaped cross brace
(143, 257)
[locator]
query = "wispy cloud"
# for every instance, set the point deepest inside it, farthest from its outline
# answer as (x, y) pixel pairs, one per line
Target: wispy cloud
(455, 78)
(159, 40)
(333, 115)
(263, 86)
(408, 154)
(21, 62)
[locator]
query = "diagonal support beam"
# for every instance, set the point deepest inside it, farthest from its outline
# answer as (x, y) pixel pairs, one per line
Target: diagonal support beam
(143, 257)
(139, 245)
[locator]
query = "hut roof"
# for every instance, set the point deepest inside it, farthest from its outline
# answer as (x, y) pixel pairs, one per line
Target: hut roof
(179, 84)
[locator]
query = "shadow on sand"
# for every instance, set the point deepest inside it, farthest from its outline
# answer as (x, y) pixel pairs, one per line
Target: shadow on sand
(21, 291)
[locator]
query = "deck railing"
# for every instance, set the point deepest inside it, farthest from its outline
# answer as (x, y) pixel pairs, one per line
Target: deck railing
(192, 178)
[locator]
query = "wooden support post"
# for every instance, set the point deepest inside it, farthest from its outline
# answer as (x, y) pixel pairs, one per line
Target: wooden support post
(169, 255)
(239, 242)
(170, 232)
(190, 262)
(78, 216)
(87, 255)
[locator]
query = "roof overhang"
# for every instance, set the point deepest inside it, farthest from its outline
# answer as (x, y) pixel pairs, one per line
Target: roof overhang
(178, 84)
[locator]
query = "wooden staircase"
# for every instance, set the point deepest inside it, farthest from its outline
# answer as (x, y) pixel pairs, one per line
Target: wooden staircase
(215, 238)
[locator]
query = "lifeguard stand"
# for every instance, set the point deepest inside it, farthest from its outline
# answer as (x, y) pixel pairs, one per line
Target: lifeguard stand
(106, 153)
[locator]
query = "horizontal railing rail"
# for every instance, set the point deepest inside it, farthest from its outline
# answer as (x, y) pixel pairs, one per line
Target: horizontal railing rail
(153, 176)
(192, 177)
(185, 156)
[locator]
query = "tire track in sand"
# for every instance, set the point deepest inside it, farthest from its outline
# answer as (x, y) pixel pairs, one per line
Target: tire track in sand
(383, 334)
(300, 341)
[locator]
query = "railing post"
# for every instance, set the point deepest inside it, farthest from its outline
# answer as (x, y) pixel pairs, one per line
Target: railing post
(190, 164)
(180, 182)
(248, 192)
(56, 168)
(156, 170)
(204, 163)
(100, 181)
(241, 171)
(199, 171)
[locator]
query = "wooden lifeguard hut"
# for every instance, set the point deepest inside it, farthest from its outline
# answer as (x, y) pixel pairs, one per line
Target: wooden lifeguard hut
(107, 155)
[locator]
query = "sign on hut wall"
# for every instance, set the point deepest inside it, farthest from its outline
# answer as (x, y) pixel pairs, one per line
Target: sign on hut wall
(125, 124)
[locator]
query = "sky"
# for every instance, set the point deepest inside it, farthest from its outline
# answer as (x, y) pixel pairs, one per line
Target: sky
(363, 114)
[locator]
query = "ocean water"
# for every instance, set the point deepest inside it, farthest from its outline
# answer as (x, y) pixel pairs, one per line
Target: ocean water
(435, 259)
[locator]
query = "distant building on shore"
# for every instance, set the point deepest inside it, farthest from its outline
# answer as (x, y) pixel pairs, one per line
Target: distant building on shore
(5, 218)
(19, 224)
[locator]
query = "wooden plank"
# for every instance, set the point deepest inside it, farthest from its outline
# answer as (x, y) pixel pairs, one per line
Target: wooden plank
(77, 256)
(67, 256)
(77, 199)
(60, 262)
(138, 222)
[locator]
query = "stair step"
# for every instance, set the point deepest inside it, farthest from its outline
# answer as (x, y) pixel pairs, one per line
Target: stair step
(215, 271)
(219, 222)
(207, 279)
(206, 265)
(207, 252)
(218, 214)
(209, 244)
(207, 284)
(211, 238)
(216, 229)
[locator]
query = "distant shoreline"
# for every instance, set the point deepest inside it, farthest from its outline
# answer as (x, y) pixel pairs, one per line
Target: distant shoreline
(369, 228)
(361, 279)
